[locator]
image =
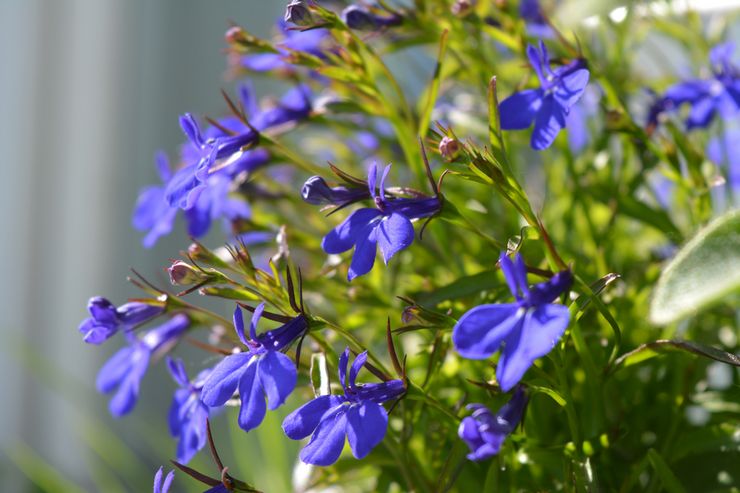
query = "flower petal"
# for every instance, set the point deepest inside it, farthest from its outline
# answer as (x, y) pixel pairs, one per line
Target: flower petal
(327, 441)
(479, 332)
(363, 258)
(255, 320)
(114, 370)
(252, 410)
(220, 385)
(701, 113)
(357, 365)
(518, 110)
(540, 330)
(343, 362)
(571, 87)
(304, 420)
(550, 119)
(344, 236)
(394, 233)
(366, 427)
(278, 375)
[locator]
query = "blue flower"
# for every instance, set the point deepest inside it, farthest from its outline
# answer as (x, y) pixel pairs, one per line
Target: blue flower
(358, 415)
(188, 415)
(313, 42)
(260, 371)
(389, 226)
(548, 106)
(485, 432)
(360, 18)
(537, 26)
(152, 213)
(124, 371)
(707, 97)
(317, 192)
(159, 487)
(528, 328)
(105, 319)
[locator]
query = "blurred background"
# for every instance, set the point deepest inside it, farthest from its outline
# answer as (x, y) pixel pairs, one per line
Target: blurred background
(89, 91)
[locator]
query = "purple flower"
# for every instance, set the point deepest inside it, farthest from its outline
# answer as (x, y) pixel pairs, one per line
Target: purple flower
(361, 18)
(548, 106)
(188, 415)
(537, 26)
(313, 42)
(159, 487)
(358, 415)
(707, 97)
(527, 329)
(317, 192)
(152, 213)
(260, 371)
(389, 226)
(124, 371)
(485, 432)
(105, 319)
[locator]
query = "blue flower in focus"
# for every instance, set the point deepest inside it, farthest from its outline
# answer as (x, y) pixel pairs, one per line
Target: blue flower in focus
(524, 330)
(707, 97)
(548, 106)
(358, 415)
(313, 42)
(160, 487)
(317, 192)
(188, 415)
(388, 226)
(124, 371)
(105, 319)
(260, 371)
(485, 432)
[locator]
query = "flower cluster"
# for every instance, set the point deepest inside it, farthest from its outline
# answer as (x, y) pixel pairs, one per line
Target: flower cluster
(468, 337)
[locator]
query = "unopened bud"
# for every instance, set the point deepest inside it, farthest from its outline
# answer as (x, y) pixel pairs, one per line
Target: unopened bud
(183, 274)
(359, 18)
(298, 13)
(234, 35)
(461, 8)
(449, 148)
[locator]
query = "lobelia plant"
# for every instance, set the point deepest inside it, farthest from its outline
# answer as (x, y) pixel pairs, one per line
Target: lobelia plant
(579, 232)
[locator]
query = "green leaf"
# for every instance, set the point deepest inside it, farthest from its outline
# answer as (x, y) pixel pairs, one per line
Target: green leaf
(706, 269)
(669, 480)
(652, 349)
(433, 90)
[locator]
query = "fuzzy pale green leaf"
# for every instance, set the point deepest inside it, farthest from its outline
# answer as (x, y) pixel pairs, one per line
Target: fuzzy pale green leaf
(705, 270)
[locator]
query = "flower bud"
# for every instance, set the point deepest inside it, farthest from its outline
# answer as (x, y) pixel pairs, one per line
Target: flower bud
(359, 19)
(136, 312)
(234, 35)
(461, 8)
(297, 12)
(449, 148)
(183, 274)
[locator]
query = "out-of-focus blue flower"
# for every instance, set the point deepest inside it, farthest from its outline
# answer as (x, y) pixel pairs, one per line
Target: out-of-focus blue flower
(485, 432)
(152, 213)
(577, 120)
(707, 97)
(260, 371)
(528, 328)
(537, 26)
(160, 487)
(105, 319)
(548, 106)
(361, 18)
(725, 151)
(230, 148)
(314, 42)
(388, 226)
(358, 415)
(124, 371)
(317, 192)
(188, 415)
